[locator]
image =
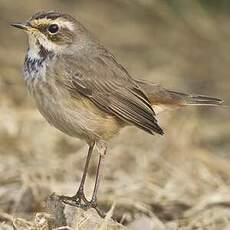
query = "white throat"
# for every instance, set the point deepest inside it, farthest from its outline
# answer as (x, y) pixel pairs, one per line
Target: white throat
(33, 50)
(36, 60)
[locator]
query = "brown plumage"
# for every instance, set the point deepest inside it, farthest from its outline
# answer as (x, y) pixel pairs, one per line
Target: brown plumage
(82, 90)
(161, 96)
(108, 85)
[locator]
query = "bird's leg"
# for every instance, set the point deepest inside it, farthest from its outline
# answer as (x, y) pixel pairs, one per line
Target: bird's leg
(80, 193)
(93, 202)
(79, 196)
(76, 199)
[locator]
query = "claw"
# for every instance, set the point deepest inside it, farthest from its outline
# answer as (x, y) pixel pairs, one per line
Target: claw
(76, 201)
(100, 213)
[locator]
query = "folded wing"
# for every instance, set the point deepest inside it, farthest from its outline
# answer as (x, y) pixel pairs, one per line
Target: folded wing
(108, 85)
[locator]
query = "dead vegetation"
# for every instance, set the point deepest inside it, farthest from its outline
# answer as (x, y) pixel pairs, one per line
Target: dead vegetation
(179, 181)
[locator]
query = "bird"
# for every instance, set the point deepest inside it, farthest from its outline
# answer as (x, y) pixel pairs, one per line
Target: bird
(82, 90)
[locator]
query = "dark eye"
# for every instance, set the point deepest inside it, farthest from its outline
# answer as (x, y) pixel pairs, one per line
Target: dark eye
(53, 28)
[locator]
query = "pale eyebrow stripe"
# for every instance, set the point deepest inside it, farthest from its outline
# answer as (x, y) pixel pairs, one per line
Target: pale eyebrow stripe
(66, 24)
(59, 21)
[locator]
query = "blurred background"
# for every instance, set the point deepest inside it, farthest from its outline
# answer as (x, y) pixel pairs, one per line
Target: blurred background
(180, 180)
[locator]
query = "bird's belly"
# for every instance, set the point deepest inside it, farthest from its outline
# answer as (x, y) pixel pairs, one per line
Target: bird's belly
(68, 121)
(77, 117)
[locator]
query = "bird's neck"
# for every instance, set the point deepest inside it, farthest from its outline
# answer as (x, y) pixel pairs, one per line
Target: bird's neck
(36, 60)
(37, 51)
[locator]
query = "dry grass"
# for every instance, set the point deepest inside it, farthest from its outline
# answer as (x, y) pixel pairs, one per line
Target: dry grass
(179, 181)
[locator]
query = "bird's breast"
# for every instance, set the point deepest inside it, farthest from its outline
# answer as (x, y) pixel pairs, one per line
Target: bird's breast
(34, 72)
(76, 117)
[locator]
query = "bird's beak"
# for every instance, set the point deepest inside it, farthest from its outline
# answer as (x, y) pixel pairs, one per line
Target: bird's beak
(20, 26)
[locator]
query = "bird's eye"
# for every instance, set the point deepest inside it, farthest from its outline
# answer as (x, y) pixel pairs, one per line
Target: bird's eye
(53, 28)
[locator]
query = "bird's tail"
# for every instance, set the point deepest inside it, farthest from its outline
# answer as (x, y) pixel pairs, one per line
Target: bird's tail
(161, 98)
(190, 99)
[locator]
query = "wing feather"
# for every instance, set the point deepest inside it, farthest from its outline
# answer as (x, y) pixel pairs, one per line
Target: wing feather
(109, 86)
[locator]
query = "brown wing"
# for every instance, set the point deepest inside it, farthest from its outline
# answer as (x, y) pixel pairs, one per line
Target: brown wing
(108, 85)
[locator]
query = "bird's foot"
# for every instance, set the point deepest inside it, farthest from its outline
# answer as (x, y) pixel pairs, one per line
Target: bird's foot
(79, 200)
(93, 204)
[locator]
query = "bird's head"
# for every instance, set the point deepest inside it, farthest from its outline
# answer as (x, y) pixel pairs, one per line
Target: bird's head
(53, 31)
